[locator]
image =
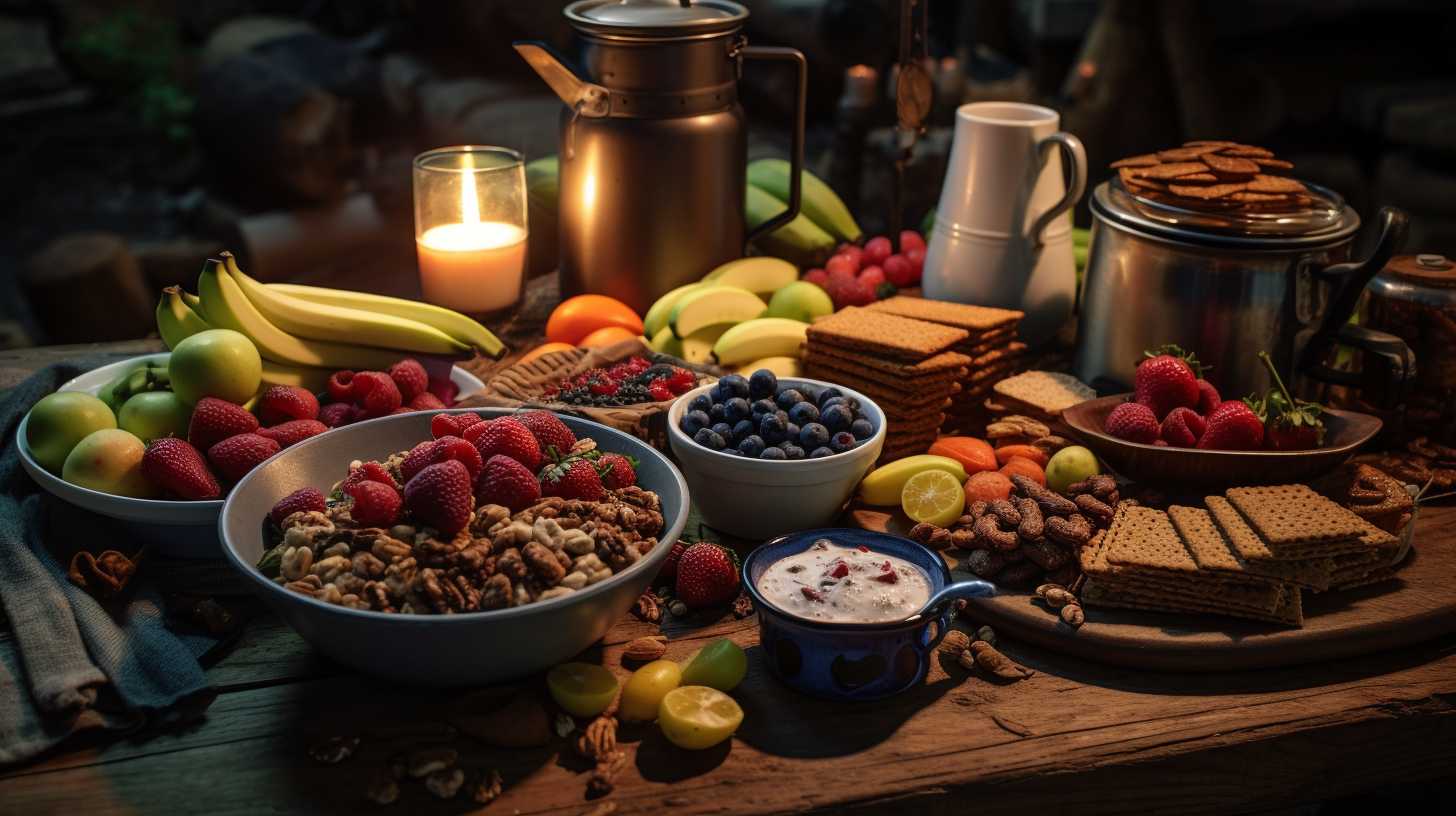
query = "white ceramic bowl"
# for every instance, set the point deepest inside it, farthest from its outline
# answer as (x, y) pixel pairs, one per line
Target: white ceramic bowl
(761, 499)
(441, 650)
(185, 529)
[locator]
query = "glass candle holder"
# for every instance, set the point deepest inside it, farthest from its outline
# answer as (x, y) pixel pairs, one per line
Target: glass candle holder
(470, 226)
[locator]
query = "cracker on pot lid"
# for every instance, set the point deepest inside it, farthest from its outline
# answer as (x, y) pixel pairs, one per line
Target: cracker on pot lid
(1274, 184)
(1187, 152)
(1145, 160)
(1229, 164)
(1208, 191)
(1169, 171)
(1050, 392)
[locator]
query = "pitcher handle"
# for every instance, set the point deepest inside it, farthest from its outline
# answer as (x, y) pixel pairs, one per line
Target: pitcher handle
(1074, 155)
(796, 147)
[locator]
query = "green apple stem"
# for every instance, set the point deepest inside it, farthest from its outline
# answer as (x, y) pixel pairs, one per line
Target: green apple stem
(1278, 381)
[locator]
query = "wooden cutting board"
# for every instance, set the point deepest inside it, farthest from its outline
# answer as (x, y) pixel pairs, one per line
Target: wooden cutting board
(1417, 605)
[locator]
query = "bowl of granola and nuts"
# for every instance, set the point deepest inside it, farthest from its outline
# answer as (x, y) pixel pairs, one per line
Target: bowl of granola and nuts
(456, 547)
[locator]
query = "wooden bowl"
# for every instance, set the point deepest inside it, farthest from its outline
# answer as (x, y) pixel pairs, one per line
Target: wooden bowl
(1345, 432)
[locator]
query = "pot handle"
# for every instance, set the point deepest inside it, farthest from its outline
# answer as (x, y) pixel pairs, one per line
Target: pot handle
(796, 147)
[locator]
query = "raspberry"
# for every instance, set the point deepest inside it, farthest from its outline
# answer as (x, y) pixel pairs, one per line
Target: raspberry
(425, 401)
(444, 389)
(341, 386)
(376, 393)
(603, 387)
(299, 501)
(507, 437)
(235, 456)
(658, 390)
(281, 403)
(375, 504)
(368, 472)
(338, 414)
(508, 483)
(410, 378)
(214, 420)
(290, 433)
(681, 381)
(177, 467)
(441, 496)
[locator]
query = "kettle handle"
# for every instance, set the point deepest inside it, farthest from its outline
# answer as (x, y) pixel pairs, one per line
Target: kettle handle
(796, 147)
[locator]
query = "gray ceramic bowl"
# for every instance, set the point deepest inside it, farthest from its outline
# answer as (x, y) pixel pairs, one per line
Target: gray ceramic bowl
(440, 650)
(759, 499)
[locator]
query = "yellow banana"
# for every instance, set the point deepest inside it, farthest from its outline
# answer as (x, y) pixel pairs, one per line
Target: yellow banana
(799, 241)
(448, 321)
(226, 307)
(763, 337)
(817, 200)
(176, 320)
(312, 379)
(318, 321)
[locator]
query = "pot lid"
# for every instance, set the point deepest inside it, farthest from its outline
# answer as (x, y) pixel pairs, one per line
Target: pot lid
(1426, 270)
(1322, 219)
(665, 19)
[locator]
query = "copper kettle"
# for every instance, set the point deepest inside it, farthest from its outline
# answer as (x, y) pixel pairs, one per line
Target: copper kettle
(654, 149)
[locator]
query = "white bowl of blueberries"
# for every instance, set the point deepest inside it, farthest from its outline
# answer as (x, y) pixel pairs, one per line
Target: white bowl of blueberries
(764, 456)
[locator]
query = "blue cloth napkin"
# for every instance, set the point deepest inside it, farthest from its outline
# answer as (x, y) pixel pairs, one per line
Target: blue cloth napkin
(68, 663)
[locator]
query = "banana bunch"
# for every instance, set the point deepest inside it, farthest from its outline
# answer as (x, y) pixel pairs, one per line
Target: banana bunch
(823, 220)
(148, 376)
(304, 333)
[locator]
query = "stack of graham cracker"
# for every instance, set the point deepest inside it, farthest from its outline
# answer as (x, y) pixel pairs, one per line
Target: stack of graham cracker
(1248, 554)
(1040, 395)
(990, 343)
(904, 365)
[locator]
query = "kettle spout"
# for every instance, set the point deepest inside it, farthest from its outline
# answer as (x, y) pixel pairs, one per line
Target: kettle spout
(586, 98)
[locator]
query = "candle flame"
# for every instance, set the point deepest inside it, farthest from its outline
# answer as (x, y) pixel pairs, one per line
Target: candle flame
(469, 201)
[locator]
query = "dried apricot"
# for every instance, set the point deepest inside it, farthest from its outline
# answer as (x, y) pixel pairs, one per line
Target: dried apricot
(975, 455)
(1005, 452)
(1021, 466)
(987, 486)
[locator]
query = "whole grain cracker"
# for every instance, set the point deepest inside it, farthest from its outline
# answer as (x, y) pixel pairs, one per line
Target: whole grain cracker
(885, 334)
(1214, 550)
(878, 385)
(974, 319)
(1230, 164)
(1288, 613)
(1288, 516)
(944, 362)
(1047, 392)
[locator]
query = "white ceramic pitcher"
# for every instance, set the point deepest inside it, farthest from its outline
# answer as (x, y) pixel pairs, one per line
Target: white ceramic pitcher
(1003, 234)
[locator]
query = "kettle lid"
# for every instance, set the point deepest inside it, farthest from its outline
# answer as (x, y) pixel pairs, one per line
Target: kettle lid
(656, 18)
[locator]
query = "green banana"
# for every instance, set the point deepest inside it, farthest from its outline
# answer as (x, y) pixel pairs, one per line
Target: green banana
(341, 324)
(798, 241)
(817, 200)
(226, 307)
(448, 321)
(176, 320)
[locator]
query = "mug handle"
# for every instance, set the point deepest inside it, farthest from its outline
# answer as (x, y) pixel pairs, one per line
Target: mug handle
(1074, 155)
(941, 607)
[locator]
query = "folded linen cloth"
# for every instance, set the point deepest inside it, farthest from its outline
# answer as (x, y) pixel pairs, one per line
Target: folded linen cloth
(68, 663)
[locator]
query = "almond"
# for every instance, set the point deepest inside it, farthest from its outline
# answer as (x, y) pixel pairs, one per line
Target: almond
(645, 649)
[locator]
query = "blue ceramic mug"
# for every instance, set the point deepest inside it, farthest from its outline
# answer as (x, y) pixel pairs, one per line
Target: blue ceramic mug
(855, 661)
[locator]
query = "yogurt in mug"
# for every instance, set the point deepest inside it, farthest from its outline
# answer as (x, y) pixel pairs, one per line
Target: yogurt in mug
(835, 584)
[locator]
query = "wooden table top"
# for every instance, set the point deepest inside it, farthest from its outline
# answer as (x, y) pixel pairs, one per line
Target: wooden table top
(1076, 737)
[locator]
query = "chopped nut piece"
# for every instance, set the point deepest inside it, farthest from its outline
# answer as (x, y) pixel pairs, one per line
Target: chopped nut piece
(564, 724)
(485, 787)
(954, 642)
(426, 761)
(599, 739)
(645, 649)
(648, 608)
(1072, 615)
(102, 576)
(997, 664)
(1055, 596)
(382, 790)
(604, 775)
(742, 606)
(334, 749)
(445, 784)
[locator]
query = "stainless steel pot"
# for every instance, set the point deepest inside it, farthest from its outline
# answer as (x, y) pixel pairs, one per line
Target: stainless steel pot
(1226, 286)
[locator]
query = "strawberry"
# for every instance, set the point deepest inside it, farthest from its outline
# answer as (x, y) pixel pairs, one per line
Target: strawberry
(235, 456)
(1182, 427)
(475, 431)
(410, 378)
(1167, 379)
(341, 386)
(910, 239)
(177, 467)
(375, 504)
(453, 424)
(281, 403)
(420, 457)
(667, 573)
(839, 285)
(550, 432)
(214, 420)
(617, 471)
(441, 496)
(338, 414)
(506, 482)
(425, 401)
(916, 256)
(453, 447)
(303, 500)
(1289, 424)
(444, 389)
(376, 393)
(572, 478)
(873, 276)
(898, 270)
(507, 437)
(1132, 421)
(863, 291)
(1233, 425)
(818, 277)
(289, 433)
(707, 575)
(370, 471)
(1208, 398)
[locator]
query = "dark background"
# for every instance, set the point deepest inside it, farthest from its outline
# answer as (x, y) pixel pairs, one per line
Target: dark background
(161, 131)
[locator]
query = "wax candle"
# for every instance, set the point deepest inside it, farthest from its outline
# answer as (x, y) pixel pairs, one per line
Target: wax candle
(473, 264)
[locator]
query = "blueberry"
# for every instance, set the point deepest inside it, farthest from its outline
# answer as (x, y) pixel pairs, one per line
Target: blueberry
(723, 429)
(776, 454)
(762, 384)
(820, 453)
(792, 451)
(836, 417)
(734, 385)
(840, 442)
(791, 432)
(782, 415)
(717, 392)
(701, 402)
(841, 400)
(862, 429)
(751, 446)
(803, 413)
(763, 406)
(827, 394)
(813, 436)
(788, 398)
(716, 413)
(708, 439)
(736, 409)
(694, 421)
(743, 429)
(772, 429)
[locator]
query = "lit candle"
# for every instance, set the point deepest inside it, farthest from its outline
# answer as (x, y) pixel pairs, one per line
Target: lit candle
(471, 265)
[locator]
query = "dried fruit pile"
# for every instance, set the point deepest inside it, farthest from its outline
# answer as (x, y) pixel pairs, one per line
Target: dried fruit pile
(628, 382)
(1212, 175)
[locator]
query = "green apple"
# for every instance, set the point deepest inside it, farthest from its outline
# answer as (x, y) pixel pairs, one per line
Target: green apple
(110, 461)
(1069, 466)
(218, 363)
(155, 414)
(57, 422)
(801, 301)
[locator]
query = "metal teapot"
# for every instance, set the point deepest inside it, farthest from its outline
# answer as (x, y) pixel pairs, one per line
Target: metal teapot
(654, 149)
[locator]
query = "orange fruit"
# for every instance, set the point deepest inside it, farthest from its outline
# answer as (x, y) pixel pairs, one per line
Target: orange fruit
(1037, 455)
(1022, 466)
(577, 317)
(975, 455)
(606, 336)
(545, 348)
(987, 486)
